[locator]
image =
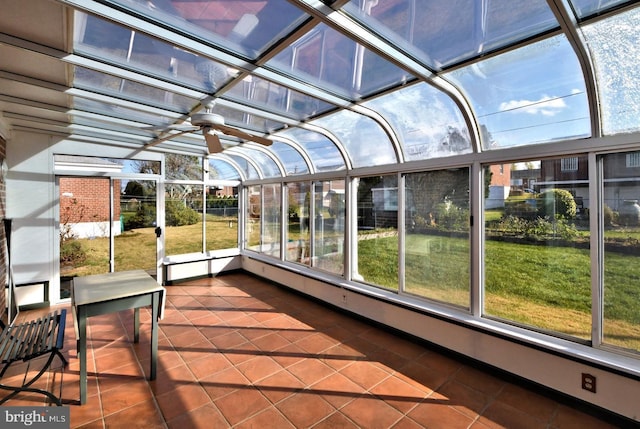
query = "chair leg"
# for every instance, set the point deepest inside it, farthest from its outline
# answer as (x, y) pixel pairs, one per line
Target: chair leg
(26, 386)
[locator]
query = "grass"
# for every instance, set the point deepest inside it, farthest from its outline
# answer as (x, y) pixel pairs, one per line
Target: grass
(545, 287)
(135, 249)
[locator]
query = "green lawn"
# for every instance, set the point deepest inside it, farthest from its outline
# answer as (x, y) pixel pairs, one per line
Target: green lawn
(542, 286)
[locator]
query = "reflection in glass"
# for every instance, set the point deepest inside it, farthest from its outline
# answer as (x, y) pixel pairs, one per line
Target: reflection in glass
(536, 248)
(440, 34)
(621, 220)
(222, 170)
(427, 121)
(324, 154)
(103, 39)
(249, 170)
(221, 228)
(298, 228)
(614, 45)
(292, 160)
(585, 8)
(267, 165)
(377, 244)
(183, 219)
(530, 95)
(183, 167)
(129, 90)
(258, 92)
(249, 28)
(271, 220)
(332, 61)
(365, 141)
(437, 245)
(328, 244)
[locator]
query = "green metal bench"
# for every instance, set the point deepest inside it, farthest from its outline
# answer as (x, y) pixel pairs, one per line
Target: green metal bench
(29, 340)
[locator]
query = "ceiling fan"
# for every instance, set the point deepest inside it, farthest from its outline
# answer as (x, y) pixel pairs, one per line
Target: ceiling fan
(210, 124)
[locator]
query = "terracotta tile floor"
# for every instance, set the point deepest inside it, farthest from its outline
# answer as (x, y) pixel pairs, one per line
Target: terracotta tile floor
(236, 351)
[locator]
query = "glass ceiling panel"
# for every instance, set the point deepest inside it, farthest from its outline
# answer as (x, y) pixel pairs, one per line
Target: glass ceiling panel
(120, 112)
(364, 140)
(247, 27)
(289, 157)
(267, 165)
(249, 170)
(242, 119)
(106, 84)
(530, 95)
(584, 8)
(324, 154)
(442, 33)
(338, 64)
(222, 170)
(613, 43)
(261, 93)
(104, 40)
(428, 122)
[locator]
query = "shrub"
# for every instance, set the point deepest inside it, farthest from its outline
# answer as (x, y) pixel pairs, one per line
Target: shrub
(71, 252)
(451, 217)
(178, 214)
(556, 203)
(145, 216)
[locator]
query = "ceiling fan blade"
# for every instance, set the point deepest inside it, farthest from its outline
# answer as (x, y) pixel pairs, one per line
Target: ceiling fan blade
(213, 141)
(242, 135)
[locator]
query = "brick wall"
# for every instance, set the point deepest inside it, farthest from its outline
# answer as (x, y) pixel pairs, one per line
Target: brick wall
(86, 200)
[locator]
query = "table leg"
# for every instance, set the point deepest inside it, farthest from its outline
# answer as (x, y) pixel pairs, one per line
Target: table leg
(136, 325)
(82, 353)
(155, 305)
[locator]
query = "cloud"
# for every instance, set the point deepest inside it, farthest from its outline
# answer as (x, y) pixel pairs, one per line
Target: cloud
(546, 106)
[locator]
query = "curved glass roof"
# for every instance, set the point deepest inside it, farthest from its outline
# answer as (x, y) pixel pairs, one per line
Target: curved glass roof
(337, 85)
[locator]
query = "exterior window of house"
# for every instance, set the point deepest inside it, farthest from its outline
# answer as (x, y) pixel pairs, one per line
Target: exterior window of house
(536, 253)
(633, 159)
(436, 240)
(621, 219)
(569, 164)
(377, 212)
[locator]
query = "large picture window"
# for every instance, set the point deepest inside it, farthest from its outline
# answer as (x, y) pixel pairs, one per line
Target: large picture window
(377, 243)
(328, 248)
(437, 235)
(298, 228)
(536, 250)
(621, 226)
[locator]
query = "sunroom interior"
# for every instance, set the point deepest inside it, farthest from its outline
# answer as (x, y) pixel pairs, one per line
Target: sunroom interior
(465, 172)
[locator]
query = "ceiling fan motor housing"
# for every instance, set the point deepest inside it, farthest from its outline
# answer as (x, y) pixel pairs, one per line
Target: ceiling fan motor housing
(206, 119)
